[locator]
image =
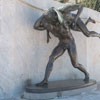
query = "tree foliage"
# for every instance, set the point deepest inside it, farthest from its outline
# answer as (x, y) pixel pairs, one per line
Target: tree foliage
(93, 4)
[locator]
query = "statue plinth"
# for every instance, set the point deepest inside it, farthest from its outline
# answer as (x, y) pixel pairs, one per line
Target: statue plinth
(58, 89)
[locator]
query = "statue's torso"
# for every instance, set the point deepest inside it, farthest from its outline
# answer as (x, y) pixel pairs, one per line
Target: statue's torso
(61, 32)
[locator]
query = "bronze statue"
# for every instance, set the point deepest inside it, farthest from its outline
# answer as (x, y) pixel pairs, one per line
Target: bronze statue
(59, 22)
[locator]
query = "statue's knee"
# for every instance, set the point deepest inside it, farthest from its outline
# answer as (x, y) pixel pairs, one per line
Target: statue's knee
(51, 59)
(76, 65)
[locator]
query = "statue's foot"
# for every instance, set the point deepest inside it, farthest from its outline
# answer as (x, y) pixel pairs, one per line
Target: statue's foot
(86, 79)
(91, 20)
(44, 83)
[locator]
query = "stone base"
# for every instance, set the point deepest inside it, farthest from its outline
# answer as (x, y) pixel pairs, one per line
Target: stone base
(58, 89)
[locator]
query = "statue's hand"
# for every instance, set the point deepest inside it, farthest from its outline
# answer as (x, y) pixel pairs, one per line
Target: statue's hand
(48, 39)
(73, 25)
(48, 36)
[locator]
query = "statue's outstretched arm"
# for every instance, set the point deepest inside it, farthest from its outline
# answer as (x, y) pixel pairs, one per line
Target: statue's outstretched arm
(70, 8)
(80, 9)
(39, 24)
(48, 36)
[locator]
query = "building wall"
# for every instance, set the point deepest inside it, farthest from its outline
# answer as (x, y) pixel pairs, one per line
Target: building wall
(24, 52)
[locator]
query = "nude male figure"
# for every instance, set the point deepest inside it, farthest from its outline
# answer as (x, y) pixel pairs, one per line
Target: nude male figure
(51, 23)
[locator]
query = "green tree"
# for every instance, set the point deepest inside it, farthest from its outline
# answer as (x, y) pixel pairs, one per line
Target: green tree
(93, 4)
(97, 6)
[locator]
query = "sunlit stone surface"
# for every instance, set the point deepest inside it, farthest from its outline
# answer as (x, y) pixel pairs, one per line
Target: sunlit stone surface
(24, 52)
(92, 95)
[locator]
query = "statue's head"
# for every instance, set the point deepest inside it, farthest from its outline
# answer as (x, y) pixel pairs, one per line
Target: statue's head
(54, 15)
(51, 15)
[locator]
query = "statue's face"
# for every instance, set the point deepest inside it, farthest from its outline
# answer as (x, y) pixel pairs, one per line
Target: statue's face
(51, 15)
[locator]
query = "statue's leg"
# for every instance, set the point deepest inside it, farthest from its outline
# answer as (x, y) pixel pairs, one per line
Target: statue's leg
(76, 28)
(58, 51)
(73, 56)
(85, 31)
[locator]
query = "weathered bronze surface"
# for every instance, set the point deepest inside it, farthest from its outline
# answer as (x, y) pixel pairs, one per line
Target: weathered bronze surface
(59, 22)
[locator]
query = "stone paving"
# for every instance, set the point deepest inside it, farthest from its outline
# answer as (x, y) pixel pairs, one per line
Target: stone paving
(94, 95)
(84, 96)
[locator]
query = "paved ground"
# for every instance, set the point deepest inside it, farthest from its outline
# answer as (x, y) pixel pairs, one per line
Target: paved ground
(90, 96)
(94, 95)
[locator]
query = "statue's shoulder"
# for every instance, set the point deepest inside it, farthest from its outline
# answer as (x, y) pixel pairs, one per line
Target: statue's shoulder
(68, 8)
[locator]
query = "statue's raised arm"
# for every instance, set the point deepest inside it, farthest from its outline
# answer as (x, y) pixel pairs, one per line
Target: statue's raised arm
(39, 24)
(42, 24)
(68, 9)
